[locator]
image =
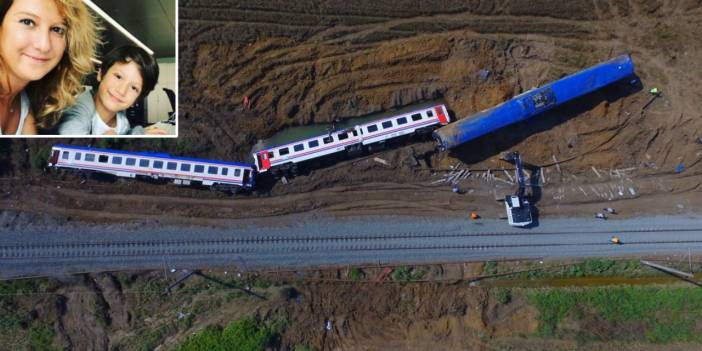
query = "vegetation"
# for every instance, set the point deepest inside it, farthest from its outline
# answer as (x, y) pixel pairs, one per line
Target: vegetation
(667, 315)
(355, 274)
(41, 337)
(242, 335)
(41, 158)
(407, 274)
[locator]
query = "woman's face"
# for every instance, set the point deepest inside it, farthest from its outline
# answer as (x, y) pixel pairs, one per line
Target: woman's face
(119, 87)
(32, 38)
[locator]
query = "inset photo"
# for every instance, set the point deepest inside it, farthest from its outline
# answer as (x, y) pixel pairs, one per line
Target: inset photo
(88, 68)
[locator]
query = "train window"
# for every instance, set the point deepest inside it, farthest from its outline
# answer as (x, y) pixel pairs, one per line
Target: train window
(185, 167)
(77, 156)
(237, 172)
(199, 168)
(172, 166)
(283, 151)
(354, 133)
(327, 140)
(372, 128)
(65, 155)
(143, 163)
(212, 170)
(299, 147)
(102, 158)
(90, 157)
(131, 161)
(343, 136)
(387, 124)
(270, 155)
(430, 113)
(116, 160)
(417, 116)
(158, 164)
(225, 170)
(401, 121)
(313, 143)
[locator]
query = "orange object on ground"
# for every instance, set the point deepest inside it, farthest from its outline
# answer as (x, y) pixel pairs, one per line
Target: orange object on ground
(474, 215)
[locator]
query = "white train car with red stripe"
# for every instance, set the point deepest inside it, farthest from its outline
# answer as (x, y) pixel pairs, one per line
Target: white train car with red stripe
(283, 159)
(230, 176)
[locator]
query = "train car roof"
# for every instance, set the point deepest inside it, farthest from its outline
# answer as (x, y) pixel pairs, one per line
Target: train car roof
(154, 154)
(297, 134)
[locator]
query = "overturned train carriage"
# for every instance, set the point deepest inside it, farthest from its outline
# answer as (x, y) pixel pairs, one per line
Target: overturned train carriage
(535, 101)
(282, 159)
(228, 176)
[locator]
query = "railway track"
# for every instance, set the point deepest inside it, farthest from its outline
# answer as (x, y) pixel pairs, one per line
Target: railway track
(270, 244)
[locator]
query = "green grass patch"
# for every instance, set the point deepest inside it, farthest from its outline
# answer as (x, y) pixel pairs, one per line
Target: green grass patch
(355, 274)
(407, 274)
(242, 335)
(41, 338)
(668, 315)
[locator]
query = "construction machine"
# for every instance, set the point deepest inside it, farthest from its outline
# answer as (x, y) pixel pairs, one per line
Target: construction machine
(517, 206)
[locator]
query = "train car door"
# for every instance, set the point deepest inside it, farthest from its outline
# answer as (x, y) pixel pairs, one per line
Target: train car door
(264, 161)
(54, 157)
(247, 175)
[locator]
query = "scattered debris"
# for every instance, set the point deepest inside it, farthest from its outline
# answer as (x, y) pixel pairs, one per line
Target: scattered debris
(483, 74)
(380, 160)
(615, 240)
(600, 215)
(474, 215)
(558, 166)
(699, 140)
(284, 180)
(328, 325)
(610, 210)
(596, 172)
(680, 168)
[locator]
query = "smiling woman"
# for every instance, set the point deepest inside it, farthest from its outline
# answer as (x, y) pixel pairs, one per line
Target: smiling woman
(46, 48)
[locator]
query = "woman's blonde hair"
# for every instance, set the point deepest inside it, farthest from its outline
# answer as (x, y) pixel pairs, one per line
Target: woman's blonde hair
(58, 89)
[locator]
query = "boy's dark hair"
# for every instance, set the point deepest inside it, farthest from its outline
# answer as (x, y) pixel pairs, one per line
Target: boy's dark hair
(147, 65)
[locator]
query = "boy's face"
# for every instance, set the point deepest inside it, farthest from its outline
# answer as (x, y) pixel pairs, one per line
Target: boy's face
(32, 38)
(119, 87)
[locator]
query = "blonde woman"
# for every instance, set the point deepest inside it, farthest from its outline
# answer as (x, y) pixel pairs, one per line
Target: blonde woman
(45, 51)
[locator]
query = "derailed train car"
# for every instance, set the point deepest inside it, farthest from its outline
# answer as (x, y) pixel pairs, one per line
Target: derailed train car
(535, 102)
(221, 175)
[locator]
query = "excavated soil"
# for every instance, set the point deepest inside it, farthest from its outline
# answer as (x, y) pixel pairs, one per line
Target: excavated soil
(308, 62)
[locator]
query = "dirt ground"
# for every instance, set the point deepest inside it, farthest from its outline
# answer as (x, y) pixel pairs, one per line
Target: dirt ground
(309, 62)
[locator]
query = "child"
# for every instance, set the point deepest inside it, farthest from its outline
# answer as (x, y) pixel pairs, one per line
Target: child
(126, 75)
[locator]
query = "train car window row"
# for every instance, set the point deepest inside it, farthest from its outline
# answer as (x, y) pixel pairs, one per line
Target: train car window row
(65, 155)
(171, 166)
(212, 170)
(237, 172)
(327, 140)
(131, 161)
(402, 120)
(372, 128)
(284, 151)
(387, 124)
(430, 113)
(90, 157)
(158, 164)
(313, 143)
(225, 170)
(102, 158)
(116, 160)
(199, 169)
(342, 136)
(299, 147)
(77, 156)
(416, 117)
(144, 163)
(185, 167)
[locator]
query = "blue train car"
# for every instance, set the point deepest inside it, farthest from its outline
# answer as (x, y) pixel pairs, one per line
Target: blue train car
(534, 102)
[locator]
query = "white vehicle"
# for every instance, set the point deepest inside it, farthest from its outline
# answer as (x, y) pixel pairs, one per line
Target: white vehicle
(518, 211)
